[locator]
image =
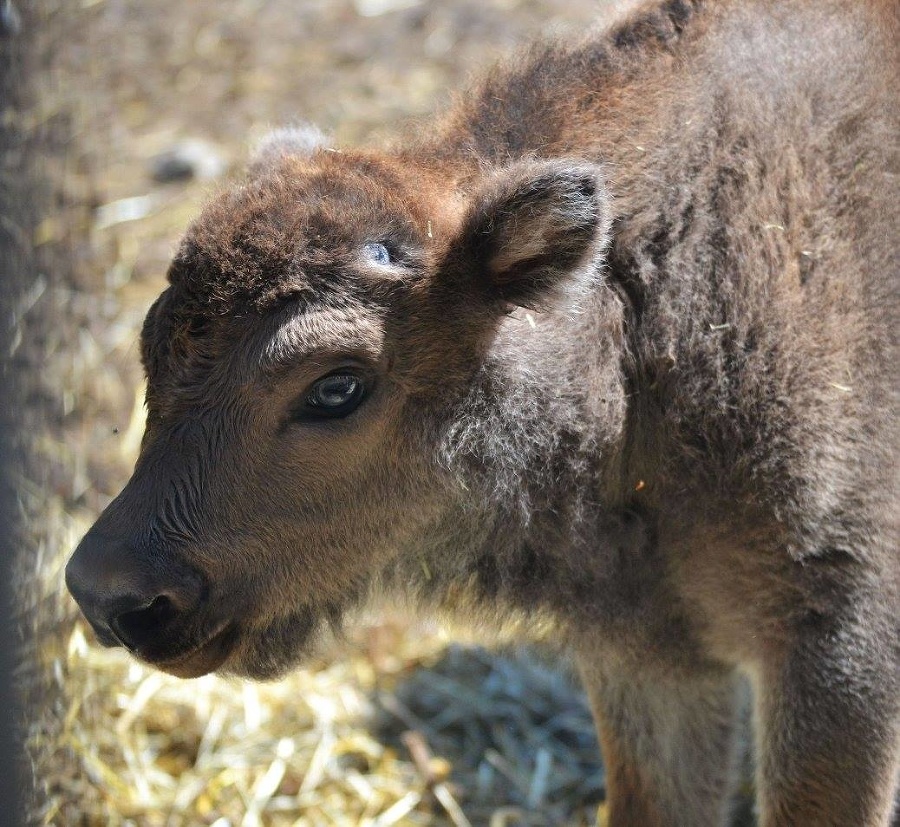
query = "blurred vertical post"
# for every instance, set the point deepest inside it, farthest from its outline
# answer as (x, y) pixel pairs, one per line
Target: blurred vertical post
(16, 271)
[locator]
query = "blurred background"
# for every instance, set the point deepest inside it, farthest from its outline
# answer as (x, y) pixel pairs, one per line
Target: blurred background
(119, 119)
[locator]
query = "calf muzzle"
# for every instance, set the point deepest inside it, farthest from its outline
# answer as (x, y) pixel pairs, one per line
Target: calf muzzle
(137, 600)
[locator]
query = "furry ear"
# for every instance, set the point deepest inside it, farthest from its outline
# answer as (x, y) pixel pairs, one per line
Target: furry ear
(302, 140)
(532, 226)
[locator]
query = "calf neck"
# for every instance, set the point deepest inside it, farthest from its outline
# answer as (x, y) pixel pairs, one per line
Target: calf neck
(609, 349)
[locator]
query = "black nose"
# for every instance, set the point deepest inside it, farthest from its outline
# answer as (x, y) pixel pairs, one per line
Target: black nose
(131, 598)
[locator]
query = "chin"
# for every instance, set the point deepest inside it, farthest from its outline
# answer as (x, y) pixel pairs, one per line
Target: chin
(269, 653)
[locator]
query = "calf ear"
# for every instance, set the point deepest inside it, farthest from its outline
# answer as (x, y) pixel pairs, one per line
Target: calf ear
(534, 227)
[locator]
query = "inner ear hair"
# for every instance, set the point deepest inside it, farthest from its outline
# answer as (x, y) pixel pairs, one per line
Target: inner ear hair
(533, 225)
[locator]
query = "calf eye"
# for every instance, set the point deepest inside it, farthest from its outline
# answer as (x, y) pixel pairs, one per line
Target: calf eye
(377, 253)
(335, 395)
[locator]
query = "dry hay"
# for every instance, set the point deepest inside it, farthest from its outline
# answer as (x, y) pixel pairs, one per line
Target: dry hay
(452, 736)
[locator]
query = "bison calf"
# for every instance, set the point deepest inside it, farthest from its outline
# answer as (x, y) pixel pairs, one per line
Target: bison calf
(612, 346)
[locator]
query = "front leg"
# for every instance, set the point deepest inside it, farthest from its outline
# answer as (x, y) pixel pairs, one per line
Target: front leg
(668, 746)
(828, 710)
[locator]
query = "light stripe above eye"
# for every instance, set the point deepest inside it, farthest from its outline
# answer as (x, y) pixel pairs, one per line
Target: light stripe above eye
(306, 335)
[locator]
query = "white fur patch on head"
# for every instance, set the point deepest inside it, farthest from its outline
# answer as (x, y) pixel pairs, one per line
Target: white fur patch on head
(288, 141)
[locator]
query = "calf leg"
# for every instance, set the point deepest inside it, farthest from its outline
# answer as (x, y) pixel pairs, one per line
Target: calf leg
(828, 712)
(668, 747)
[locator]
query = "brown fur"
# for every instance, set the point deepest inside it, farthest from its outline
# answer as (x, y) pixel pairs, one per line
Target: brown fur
(632, 369)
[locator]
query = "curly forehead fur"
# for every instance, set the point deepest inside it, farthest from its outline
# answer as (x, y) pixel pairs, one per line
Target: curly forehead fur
(295, 230)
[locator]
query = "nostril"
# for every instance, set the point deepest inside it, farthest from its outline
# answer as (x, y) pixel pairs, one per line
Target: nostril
(132, 595)
(140, 626)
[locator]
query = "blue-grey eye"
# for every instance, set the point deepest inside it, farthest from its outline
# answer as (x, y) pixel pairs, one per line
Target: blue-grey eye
(335, 395)
(377, 253)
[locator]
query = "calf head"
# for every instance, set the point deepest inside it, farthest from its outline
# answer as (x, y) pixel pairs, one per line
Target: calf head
(322, 327)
